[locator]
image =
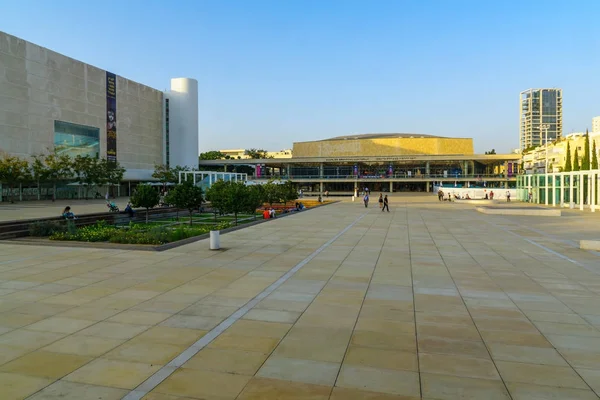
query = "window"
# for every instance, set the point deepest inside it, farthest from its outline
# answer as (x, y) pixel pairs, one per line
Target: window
(74, 139)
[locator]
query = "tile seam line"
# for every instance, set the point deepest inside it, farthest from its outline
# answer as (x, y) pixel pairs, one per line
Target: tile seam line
(166, 370)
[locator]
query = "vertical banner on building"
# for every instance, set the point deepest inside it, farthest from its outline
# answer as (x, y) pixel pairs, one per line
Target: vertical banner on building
(390, 170)
(258, 170)
(355, 169)
(510, 169)
(111, 116)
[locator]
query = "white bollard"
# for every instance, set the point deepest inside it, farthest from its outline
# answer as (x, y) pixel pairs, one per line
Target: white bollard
(352, 198)
(214, 240)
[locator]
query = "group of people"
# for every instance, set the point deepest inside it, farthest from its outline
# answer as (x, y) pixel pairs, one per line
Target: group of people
(488, 196)
(384, 203)
(68, 214)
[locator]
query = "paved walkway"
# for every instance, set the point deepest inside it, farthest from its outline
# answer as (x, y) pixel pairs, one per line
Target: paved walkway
(432, 300)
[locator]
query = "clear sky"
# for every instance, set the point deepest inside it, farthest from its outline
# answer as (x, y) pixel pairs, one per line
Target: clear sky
(274, 72)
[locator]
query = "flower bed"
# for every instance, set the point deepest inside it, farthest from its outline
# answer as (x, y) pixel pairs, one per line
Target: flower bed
(102, 232)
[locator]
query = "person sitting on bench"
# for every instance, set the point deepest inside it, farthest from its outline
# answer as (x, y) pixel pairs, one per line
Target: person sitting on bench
(67, 214)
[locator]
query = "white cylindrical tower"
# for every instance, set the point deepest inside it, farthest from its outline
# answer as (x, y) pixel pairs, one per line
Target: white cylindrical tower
(183, 128)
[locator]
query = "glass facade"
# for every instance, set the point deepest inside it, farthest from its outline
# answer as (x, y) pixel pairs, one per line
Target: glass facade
(74, 140)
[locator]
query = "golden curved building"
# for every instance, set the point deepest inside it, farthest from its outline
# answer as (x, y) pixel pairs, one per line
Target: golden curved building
(383, 144)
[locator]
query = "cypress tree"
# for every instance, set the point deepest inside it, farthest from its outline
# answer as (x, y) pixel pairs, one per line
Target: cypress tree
(568, 164)
(585, 160)
(576, 161)
(594, 157)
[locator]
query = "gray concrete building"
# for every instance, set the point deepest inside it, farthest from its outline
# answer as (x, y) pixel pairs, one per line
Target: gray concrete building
(51, 102)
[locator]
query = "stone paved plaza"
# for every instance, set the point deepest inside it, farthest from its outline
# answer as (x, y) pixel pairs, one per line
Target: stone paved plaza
(430, 301)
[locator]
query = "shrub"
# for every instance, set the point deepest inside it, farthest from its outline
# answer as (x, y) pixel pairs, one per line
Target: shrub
(46, 228)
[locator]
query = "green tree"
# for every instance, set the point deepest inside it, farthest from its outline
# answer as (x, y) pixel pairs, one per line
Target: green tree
(492, 151)
(13, 171)
(59, 169)
(576, 165)
(166, 175)
(216, 195)
(145, 196)
(288, 192)
(272, 192)
(585, 160)
(109, 172)
(230, 197)
(212, 155)
(568, 163)
(186, 195)
(257, 154)
(39, 172)
(254, 199)
(594, 157)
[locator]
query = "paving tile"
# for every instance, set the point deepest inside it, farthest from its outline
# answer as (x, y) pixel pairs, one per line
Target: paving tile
(113, 373)
(547, 375)
(526, 354)
(444, 387)
(404, 383)
(238, 342)
(168, 335)
(559, 328)
(379, 358)
(8, 353)
(229, 361)
(272, 315)
(457, 366)
(318, 344)
(16, 320)
(113, 330)
(192, 322)
(591, 377)
(298, 370)
(139, 317)
(339, 393)
(60, 325)
(145, 352)
(203, 384)
(207, 310)
(30, 340)
(573, 342)
(263, 388)
(259, 328)
(378, 325)
(89, 312)
(83, 345)
(44, 364)
(515, 338)
(63, 390)
(433, 345)
(449, 332)
(381, 340)
(16, 386)
(523, 391)
(565, 318)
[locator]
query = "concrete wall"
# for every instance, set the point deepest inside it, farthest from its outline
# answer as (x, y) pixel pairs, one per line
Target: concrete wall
(39, 86)
(383, 147)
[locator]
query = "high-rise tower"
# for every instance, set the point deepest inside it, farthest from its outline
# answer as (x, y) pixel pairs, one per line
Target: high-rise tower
(540, 116)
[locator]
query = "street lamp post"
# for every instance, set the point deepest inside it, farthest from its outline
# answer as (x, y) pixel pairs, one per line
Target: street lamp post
(545, 128)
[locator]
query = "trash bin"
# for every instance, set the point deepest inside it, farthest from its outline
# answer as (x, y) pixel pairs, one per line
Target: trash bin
(215, 240)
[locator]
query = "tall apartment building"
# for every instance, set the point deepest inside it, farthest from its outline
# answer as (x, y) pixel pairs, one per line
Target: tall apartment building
(540, 108)
(596, 124)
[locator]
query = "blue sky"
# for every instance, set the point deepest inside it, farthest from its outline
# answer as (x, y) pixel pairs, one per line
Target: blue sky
(274, 72)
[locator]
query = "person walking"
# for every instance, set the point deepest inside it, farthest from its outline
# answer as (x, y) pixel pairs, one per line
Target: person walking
(380, 200)
(366, 200)
(440, 195)
(386, 204)
(507, 196)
